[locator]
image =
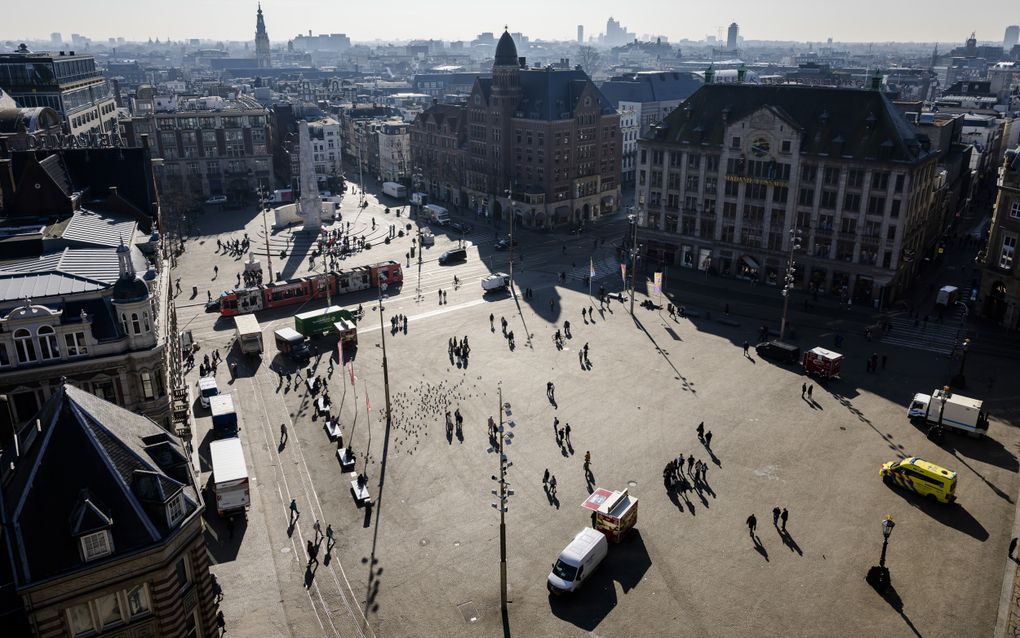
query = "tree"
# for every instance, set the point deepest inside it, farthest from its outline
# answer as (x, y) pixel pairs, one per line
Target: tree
(588, 57)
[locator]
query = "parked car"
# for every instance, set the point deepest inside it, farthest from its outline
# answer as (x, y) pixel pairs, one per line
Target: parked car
(453, 256)
(504, 243)
(217, 199)
(778, 351)
(461, 227)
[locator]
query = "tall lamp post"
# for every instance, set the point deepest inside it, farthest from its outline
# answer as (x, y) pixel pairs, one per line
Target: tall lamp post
(878, 576)
(416, 179)
(263, 205)
(503, 493)
(959, 380)
(790, 279)
(634, 249)
(510, 248)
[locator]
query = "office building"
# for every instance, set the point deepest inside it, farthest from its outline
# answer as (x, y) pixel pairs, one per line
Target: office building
(56, 39)
(209, 145)
(1011, 38)
(727, 175)
(68, 83)
(542, 141)
(1000, 277)
(103, 531)
(731, 36)
(580, 34)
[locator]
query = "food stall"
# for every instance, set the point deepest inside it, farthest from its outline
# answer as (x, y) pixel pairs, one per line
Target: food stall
(348, 332)
(822, 363)
(614, 512)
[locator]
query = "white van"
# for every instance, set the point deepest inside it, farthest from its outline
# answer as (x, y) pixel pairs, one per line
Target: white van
(577, 561)
(438, 214)
(207, 389)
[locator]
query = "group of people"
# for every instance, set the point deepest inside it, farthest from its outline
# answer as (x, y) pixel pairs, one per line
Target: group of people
(455, 420)
(459, 350)
(697, 471)
(208, 365)
(398, 322)
(234, 247)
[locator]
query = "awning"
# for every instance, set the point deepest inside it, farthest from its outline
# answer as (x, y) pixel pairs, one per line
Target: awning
(749, 262)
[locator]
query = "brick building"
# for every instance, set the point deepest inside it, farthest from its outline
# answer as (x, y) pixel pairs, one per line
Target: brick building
(1000, 280)
(727, 175)
(548, 138)
(103, 530)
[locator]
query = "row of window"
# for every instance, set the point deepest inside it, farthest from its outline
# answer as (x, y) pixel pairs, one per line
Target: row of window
(42, 346)
(109, 610)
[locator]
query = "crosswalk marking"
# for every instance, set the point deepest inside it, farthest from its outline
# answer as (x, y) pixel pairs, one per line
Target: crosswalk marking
(942, 338)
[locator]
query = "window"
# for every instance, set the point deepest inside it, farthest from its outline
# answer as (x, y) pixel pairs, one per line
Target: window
(137, 601)
(852, 202)
(830, 176)
(808, 173)
(1014, 210)
(876, 205)
(108, 610)
(147, 390)
(96, 545)
(732, 189)
(806, 197)
(175, 509)
(899, 183)
(79, 620)
(145, 320)
(786, 146)
(1008, 251)
(124, 323)
(75, 344)
(828, 200)
(855, 178)
(135, 324)
(880, 180)
(5, 358)
(895, 211)
(735, 142)
(47, 342)
(24, 345)
(183, 573)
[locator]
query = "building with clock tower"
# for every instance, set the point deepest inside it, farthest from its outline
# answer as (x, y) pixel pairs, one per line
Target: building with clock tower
(729, 179)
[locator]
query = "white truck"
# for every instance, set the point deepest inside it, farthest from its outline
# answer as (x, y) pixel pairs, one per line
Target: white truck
(249, 334)
(495, 281)
(229, 476)
(437, 214)
(393, 189)
(960, 412)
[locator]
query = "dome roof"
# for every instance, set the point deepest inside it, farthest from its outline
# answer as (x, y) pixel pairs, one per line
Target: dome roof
(129, 289)
(506, 51)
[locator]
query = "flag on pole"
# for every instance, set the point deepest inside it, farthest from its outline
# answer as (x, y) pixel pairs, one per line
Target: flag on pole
(350, 368)
(591, 268)
(623, 273)
(658, 283)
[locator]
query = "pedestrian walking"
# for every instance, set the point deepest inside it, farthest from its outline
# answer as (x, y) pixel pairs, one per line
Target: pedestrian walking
(545, 477)
(585, 350)
(216, 271)
(803, 390)
(690, 463)
(746, 346)
(552, 485)
(785, 515)
(492, 325)
(810, 388)
(294, 513)
(283, 433)
(775, 516)
(221, 622)
(708, 439)
(587, 461)
(701, 430)
(318, 530)
(566, 433)
(752, 523)
(584, 312)
(329, 537)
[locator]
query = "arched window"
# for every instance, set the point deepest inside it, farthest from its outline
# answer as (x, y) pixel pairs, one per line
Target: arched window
(147, 390)
(25, 346)
(135, 324)
(124, 323)
(47, 342)
(145, 320)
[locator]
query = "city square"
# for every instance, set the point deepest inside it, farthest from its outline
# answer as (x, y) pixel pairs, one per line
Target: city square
(426, 553)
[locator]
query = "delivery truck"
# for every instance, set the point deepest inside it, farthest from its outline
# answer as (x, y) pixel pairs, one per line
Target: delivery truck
(495, 281)
(224, 418)
(437, 214)
(292, 343)
(317, 322)
(249, 334)
(393, 189)
(960, 412)
(229, 477)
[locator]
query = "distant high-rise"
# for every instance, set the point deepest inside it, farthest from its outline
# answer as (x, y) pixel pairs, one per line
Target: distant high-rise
(262, 58)
(55, 38)
(731, 36)
(1011, 38)
(580, 34)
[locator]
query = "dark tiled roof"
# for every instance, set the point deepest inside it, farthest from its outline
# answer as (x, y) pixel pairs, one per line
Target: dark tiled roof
(838, 122)
(650, 87)
(506, 51)
(80, 472)
(55, 168)
(549, 94)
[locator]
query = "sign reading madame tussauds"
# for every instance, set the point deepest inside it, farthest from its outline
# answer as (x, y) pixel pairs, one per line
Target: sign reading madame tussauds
(53, 142)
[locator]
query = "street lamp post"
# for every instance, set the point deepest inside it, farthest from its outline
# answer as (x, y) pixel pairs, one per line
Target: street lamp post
(633, 259)
(960, 380)
(504, 492)
(510, 248)
(263, 205)
(795, 237)
(878, 576)
(935, 432)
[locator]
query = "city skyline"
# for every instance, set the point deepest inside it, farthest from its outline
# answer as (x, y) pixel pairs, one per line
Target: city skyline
(233, 20)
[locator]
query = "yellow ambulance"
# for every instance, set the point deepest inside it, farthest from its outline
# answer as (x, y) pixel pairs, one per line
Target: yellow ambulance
(922, 477)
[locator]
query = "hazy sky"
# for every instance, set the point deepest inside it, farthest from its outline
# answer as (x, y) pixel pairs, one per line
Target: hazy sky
(804, 20)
